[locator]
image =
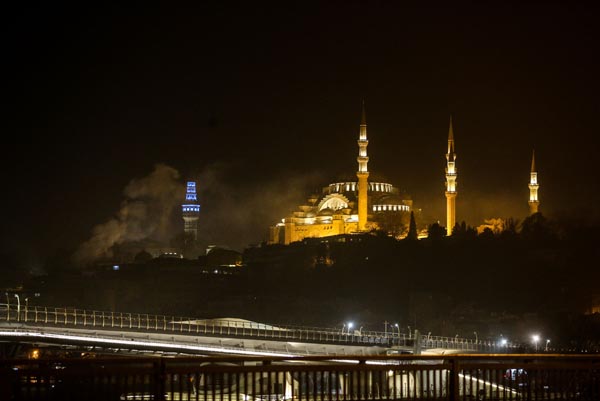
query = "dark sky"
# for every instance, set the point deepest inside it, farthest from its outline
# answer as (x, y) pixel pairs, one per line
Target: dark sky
(268, 101)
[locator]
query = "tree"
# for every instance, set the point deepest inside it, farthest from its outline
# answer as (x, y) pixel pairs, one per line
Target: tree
(412, 228)
(536, 228)
(487, 233)
(510, 228)
(463, 231)
(393, 223)
(435, 231)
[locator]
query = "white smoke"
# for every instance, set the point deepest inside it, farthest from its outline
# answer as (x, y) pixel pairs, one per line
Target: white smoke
(145, 213)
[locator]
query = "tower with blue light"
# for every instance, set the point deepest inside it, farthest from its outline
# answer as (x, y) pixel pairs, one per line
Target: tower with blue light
(191, 211)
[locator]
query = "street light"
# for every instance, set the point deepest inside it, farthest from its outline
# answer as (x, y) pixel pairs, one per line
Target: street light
(536, 339)
(350, 325)
(409, 333)
(547, 342)
(18, 307)
(26, 307)
(476, 341)
(360, 331)
(398, 327)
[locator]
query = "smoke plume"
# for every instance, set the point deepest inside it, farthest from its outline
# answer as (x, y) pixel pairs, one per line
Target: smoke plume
(145, 213)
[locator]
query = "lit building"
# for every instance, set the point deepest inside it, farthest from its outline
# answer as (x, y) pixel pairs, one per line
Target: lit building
(347, 207)
(534, 202)
(191, 211)
(450, 183)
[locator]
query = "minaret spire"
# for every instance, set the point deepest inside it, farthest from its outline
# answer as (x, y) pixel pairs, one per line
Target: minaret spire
(363, 120)
(534, 202)
(450, 137)
(450, 182)
(363, 173)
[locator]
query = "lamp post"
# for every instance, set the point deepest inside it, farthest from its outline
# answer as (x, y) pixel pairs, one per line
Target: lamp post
(350, 325)
(547, 342)
(26, 307)
(7, 306)
(18, 307)
(476, 339)
(397, 326)
(409, 333)
(360, 331)
(343, 327)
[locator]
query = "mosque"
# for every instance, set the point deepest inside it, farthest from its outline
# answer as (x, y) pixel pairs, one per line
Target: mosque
(350, 207)
(347, 207)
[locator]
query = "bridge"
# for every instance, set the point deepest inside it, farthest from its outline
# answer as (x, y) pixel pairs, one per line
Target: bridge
(143, 333)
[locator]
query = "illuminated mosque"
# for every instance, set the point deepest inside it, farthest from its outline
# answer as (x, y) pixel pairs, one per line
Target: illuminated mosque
(350, 207)
(346, 207)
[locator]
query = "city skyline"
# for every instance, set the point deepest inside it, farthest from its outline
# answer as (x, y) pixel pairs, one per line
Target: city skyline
(255, 102)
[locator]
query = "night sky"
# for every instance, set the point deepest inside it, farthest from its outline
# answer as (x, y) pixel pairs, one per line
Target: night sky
(262, 105)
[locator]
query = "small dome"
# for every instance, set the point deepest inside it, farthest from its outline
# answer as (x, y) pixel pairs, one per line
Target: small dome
(325, 212)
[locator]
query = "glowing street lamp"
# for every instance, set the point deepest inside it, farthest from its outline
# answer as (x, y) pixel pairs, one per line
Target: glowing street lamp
(398, 327)
(536, 339)
(547, 342)
(350, 325)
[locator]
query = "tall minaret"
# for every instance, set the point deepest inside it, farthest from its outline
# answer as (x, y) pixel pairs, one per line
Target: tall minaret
(363, 172)
(191, 211)
(534, 203)
(450, 183)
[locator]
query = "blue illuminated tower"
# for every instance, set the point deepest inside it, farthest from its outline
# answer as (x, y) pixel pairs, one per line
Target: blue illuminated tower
(191, 211)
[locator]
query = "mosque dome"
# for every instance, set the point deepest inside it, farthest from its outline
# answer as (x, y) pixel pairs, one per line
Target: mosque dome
(325, 212)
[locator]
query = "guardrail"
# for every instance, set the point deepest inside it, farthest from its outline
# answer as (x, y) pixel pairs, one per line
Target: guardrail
(73, 317)
(481, 377)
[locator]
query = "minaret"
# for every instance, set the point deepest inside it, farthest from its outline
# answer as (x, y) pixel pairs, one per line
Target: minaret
(191, 211)
(363, 172)
(534, 203)
(450, 183)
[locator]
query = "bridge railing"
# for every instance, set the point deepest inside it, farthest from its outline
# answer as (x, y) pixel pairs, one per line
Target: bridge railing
(506, 377)
(106, 320)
